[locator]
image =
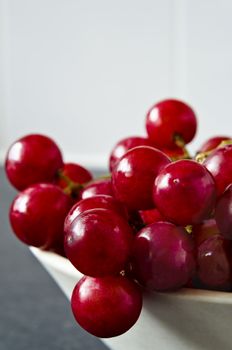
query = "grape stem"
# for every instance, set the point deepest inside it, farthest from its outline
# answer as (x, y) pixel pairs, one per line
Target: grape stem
(104, 177)
(201, 156)
(179, 141)
(189, 229)
(73, 188)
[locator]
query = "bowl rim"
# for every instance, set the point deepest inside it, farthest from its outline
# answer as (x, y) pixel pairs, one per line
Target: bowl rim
(64, 266)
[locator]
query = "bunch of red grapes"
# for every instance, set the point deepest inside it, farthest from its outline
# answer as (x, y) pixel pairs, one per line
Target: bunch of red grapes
(159, 221)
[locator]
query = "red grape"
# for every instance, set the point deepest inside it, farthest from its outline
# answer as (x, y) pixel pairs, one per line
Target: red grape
(98, 242)
(151, 215)
(223, 213)
(106, 307)
(163, 257)
(213, 263)
(168, 120)
(98, 186)
(37, 215)
(98, 201)
(176, 153)
(32, 159)
(184, 192)
(219, 163)
(125, 145)
(204, 230)
(74, 173)
(134, 174)
(212, 143)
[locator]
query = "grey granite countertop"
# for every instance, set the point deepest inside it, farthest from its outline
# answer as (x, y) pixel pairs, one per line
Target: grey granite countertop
(34, 314)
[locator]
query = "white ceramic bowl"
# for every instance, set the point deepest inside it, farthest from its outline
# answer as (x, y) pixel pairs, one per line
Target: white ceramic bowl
(185, 320)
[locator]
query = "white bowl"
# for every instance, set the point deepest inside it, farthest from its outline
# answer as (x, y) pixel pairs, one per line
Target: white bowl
(189, 319)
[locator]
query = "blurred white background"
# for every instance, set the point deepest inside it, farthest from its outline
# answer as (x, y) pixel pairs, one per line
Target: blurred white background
(86, 71)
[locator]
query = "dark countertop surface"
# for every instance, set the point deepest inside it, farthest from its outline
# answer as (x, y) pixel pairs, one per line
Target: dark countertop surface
(34, 313)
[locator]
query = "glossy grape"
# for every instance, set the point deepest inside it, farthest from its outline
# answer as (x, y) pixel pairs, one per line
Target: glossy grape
(163, 257)
(168, 120)
(204, 230)
(219, 163)
(37, 216)
(184, 192)
(98, 201)
(150, 216)
(212, 143)
(32, 159)
(176, 153)
(98, 186)
(98, 242)
(159, 220)
(214, 263)
(134, 174)
(74, 173)
(125, 145)
(106, 307)
(223, 213)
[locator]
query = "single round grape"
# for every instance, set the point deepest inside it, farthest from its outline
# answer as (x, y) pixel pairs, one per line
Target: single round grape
(204, 230)
(106, 307)
(134, 174)
(214, 263)
(184, 192)
(32, 159)
(223, 213)
(219, 164)
(98, 201)
(37, 216)
(163, 257)
(125, 145)
(212, 143)
(98, 242)
(170, 120)
(98, 186)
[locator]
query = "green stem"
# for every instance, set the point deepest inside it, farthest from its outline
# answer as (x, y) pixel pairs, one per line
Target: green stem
(179, 141)
(106, 176)
(201, 156)
(72, 187)
(189, 229)
(224, 143)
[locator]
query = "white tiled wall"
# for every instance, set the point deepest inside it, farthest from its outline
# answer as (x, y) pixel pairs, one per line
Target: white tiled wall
(86, 71)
